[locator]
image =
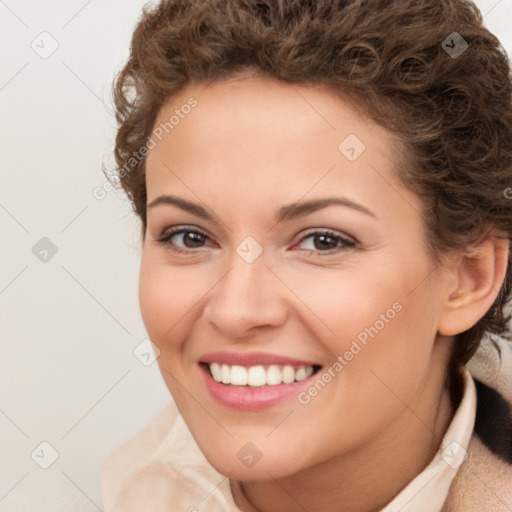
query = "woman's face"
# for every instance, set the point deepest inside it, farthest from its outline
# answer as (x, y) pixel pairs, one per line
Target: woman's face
(263, 279)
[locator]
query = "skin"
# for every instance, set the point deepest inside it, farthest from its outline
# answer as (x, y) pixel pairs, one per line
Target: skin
(249, 147)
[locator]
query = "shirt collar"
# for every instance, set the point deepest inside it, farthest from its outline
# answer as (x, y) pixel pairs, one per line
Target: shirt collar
(428, 491)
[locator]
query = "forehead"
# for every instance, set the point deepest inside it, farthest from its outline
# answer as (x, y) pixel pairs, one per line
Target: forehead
(266, 113)
(261, 137)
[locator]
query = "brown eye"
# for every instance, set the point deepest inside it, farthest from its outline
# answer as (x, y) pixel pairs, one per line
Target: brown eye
(190, 239)
(325, 241)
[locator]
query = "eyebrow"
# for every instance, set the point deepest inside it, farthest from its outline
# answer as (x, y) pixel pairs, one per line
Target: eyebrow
(285, 213)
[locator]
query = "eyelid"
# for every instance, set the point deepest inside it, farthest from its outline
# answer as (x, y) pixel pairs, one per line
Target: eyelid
(333, 232)
(170, 232)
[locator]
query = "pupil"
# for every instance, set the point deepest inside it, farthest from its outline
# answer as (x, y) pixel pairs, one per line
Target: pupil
(324, 238)
(192, 237)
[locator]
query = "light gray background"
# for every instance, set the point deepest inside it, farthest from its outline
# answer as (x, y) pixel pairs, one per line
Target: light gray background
(70, 324)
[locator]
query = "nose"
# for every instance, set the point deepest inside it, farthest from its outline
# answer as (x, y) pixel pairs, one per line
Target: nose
(248, 297)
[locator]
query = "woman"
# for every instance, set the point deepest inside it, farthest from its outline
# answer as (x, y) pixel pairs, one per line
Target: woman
(322, 188)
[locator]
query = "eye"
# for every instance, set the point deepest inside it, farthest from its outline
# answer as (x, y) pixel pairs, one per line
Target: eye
(327, 241)
(191, 239)
(323, 241)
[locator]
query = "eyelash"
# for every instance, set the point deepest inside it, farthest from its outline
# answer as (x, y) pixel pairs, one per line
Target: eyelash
(165, 238)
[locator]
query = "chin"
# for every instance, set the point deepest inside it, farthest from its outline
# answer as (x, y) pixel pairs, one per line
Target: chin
(244, 469)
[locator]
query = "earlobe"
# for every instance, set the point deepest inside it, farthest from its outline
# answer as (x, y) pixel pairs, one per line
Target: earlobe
(480, 273)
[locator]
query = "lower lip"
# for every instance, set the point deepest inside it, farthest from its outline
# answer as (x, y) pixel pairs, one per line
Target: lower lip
(251, 398)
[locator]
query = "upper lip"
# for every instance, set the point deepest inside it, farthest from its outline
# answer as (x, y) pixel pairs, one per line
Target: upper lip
(252, 359)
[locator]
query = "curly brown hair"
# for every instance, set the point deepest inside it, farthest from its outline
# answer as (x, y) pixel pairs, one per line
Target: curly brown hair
(452, 111)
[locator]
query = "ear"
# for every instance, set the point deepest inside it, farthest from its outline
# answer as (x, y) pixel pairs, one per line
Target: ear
(478, 276)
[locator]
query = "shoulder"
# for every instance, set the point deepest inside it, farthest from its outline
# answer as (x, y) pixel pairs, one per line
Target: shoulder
(160, 469)
(484, 481)
(492, 371)
(133, 454)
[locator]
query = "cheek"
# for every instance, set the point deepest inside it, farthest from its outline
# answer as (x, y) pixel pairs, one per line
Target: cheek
(165, 297)
(344, 305)
(375, 324)
(387, 360)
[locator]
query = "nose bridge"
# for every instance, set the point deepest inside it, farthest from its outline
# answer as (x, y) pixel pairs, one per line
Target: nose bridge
(246, 296)
(244, 283)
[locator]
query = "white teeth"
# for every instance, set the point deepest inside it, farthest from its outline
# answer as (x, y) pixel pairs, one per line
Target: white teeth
(288, 374)
(300, 374)
(216, 371)
(225, 374)
(274, 376)
(257, 376)
(238, 375)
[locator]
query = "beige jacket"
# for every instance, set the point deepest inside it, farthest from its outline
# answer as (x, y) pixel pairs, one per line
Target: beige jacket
(161, 468)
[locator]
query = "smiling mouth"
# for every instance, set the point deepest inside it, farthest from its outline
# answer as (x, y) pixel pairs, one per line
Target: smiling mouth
(258, 375)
